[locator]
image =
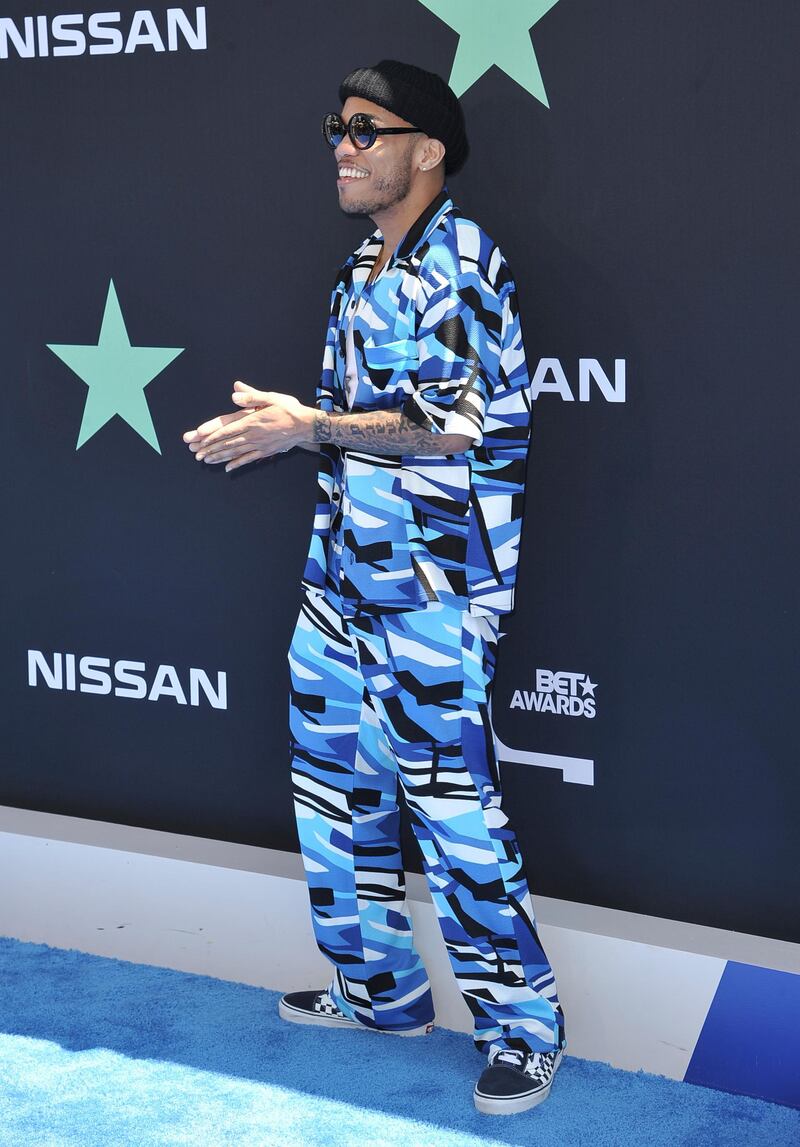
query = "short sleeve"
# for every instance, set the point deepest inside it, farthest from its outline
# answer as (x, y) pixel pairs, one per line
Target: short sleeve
(459, 339)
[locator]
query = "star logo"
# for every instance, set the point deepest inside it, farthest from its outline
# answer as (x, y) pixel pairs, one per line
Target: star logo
(588, 685)
(488, 36)
(116, 374)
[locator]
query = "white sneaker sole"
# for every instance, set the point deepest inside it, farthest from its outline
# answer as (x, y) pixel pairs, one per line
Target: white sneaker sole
(495, 1105)
(299, 1016)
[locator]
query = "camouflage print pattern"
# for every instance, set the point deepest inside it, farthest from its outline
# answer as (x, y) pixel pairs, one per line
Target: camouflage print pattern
(411, 562)
(403, 699)
(437, 334)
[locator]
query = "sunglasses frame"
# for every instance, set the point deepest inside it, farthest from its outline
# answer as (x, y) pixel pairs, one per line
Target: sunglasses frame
(350, 131)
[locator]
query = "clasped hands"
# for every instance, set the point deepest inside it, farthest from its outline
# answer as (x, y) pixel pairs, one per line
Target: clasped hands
(267, 423)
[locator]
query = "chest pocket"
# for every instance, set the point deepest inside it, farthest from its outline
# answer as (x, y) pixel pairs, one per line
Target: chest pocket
(396, 355)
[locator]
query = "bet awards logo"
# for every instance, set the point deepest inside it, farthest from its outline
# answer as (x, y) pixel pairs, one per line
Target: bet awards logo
(569, 694)
(101, 33)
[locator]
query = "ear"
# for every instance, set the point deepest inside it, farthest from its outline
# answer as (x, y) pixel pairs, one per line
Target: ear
(431, 153)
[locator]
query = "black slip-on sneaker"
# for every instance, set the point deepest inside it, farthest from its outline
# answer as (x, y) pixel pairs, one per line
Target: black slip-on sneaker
(317, 1007)
(515, 1081)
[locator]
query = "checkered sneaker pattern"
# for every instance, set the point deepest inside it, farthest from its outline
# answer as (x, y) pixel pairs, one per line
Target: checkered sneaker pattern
(540, 1065)
(324, 1005)
(318, 1007)
(515, 1080)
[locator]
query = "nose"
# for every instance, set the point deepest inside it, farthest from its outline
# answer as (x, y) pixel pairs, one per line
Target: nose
(346, 149)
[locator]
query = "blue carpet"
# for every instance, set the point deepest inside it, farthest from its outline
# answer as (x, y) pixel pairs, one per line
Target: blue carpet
(103, 1053)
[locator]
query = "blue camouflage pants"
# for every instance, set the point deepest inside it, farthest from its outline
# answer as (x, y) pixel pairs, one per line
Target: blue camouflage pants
(403, 699)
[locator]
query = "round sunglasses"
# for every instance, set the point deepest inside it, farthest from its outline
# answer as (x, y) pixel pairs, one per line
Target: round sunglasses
(361, 129)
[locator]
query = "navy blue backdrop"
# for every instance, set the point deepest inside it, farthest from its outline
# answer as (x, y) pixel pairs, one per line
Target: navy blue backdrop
(644, 695)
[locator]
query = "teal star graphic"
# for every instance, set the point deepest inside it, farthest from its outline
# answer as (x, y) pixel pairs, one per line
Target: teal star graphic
(495, 32)
(116, 374)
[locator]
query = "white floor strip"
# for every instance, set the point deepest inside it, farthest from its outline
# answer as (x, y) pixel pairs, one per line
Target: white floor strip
(635, 989)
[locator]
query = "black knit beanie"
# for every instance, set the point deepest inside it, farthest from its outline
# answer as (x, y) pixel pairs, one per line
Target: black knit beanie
(419, 97)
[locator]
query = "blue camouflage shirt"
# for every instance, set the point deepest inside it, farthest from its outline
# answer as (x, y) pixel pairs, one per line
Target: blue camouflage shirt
(437, 334)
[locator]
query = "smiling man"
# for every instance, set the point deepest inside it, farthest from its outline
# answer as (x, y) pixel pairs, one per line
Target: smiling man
(422, 423)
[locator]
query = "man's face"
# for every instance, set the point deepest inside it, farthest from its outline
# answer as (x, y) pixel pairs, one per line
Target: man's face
(385, 170)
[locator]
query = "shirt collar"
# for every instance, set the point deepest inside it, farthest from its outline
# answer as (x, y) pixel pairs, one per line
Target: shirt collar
(363, 259)
(419, 230)
(422, 226)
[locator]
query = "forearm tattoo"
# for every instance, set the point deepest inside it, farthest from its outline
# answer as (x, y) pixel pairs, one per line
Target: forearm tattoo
(380, 432)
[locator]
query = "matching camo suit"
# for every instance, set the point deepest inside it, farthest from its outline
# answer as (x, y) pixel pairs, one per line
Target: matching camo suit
(412, 564)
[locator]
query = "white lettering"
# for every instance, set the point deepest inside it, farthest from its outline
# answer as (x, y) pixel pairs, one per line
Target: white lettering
(61, 29)
(559, 384)
(557, 692)
(590, 368)
(194, 37)
(128, 674)
(99, 30)
(95, 675)
(88, 670)
(218, 697)
(41, 31)
(52, 678)
(31, 36)
(567, 682)
(144, 18)
(544, 681)
(166, 684)
(9, 32)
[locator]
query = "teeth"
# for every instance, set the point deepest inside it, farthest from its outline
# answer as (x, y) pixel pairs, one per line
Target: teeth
(345, 172)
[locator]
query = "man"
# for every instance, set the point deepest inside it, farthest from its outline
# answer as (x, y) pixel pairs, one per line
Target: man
(422, 421)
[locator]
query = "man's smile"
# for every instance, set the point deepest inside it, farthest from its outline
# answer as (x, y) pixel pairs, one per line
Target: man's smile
(349, 174)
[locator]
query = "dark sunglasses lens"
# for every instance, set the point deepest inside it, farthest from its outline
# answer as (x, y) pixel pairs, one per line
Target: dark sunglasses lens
(333, 129)
(363, 130)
